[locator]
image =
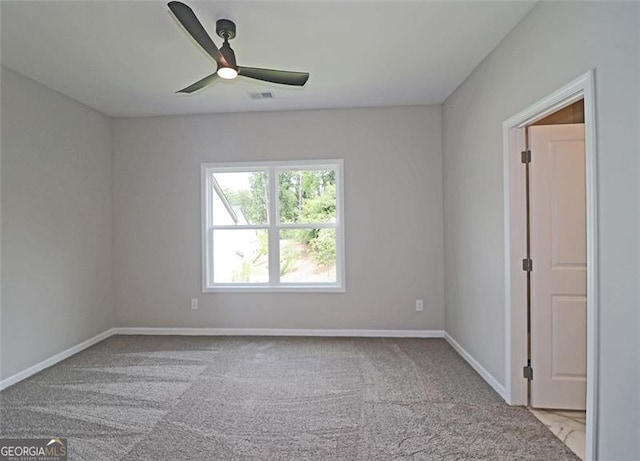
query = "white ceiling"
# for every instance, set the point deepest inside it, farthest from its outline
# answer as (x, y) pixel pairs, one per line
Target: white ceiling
(127, 58)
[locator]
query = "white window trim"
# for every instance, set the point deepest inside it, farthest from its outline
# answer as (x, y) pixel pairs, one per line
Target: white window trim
(274, 225)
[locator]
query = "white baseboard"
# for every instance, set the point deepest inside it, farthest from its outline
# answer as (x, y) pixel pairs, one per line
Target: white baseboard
(488, 377)
(32, 370)
(280, 332)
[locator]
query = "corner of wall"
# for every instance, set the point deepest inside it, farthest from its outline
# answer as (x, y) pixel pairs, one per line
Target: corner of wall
(111, 121)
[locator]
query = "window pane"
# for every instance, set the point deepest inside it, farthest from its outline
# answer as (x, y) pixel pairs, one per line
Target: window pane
(240, 256)
(307, 196)
(308, 255)
(240, 198)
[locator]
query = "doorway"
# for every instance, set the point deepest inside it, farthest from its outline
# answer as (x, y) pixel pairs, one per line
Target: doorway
(516, 244)
(557, 287)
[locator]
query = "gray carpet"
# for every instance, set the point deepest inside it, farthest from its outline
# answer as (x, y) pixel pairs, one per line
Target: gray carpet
(249, 398)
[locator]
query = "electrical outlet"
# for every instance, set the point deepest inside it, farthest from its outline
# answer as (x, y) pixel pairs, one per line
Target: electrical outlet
(194, 304)
(419, 305)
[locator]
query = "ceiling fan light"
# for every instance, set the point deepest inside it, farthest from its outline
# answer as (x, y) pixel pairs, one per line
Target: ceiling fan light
(228, 73)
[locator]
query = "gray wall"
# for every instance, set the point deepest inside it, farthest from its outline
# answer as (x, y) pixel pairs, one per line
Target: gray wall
(56, 223)
(393, 207)
(553, 45)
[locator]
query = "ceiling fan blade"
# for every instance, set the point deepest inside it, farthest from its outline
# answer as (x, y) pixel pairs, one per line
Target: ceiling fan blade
(190, 22)
(283, 77)
(208, 80)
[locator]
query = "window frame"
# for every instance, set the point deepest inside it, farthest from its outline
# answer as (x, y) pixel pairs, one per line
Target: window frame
(273, 226)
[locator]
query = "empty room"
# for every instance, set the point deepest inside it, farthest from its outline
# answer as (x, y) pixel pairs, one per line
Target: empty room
(319, 230)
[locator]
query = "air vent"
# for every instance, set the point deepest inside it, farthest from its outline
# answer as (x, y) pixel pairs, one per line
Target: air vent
(265, 95)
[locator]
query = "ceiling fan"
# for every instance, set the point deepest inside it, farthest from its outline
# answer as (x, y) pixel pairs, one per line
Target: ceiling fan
(225, 57)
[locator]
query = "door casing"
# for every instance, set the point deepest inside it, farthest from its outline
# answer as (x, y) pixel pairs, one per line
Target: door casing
(515, 244)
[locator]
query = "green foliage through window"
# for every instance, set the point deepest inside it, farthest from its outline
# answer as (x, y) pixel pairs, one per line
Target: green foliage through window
(305, 196)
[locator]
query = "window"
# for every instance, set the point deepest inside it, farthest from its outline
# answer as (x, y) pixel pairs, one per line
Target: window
(273, 226)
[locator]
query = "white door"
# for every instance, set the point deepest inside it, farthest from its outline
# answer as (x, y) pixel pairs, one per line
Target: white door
(559, 275)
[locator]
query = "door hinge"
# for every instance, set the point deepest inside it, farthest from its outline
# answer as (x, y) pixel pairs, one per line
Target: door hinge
(527, 372)
(525, 156)
(527, 264)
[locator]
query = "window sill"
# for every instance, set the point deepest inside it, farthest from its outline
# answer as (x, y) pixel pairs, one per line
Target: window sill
(275, 289)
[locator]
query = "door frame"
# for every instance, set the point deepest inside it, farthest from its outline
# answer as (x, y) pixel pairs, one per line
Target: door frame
(513, 133)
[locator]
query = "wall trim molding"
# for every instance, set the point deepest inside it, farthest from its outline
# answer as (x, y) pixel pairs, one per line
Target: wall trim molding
(488, 377)
(59, 357)
(281, 332)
